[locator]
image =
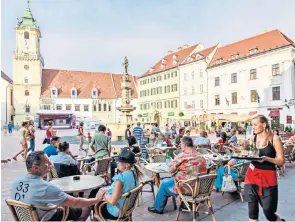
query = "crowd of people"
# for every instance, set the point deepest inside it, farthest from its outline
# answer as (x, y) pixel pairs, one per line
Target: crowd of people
(261, 187)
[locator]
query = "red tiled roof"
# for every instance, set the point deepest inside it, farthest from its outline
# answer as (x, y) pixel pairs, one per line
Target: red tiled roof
(205, 52)
(263, 42)
(4, 76)
(84, 82)
(181, 56)
(117, 83)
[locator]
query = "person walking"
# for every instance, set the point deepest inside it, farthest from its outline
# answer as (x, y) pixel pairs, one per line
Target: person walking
(10, 128)
(81, 135)
(23, 134)
(138, 133)
(32, 136)
(49, 132)
(127, 132)
(261, 186)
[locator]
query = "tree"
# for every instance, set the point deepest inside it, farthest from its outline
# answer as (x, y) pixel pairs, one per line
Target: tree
(181, 114)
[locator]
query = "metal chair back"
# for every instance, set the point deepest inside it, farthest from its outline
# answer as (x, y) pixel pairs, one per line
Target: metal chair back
(288, 150)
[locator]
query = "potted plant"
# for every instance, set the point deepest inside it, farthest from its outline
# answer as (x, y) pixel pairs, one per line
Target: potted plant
(181, 114)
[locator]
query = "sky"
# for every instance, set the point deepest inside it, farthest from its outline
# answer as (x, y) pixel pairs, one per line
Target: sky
(95, 35)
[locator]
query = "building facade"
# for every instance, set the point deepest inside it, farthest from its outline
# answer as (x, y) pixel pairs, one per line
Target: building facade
(255, 75)
(193, 83)
(158, 99)
(7, 109)
(63, 96)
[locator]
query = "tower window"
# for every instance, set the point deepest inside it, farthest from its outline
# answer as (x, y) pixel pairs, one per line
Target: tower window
(26, 67)
(27, 93)
(27, 108)
(26, 35)
(26, 80)
(73, 93)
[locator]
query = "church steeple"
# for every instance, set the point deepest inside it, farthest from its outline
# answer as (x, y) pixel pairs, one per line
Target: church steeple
(28, 20)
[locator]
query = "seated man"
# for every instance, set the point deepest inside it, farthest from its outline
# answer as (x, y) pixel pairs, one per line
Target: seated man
(202, 139)
(186, 165)
(52, 148)
(179, 136)
(233, 138)
(64, 155)
(31, 189)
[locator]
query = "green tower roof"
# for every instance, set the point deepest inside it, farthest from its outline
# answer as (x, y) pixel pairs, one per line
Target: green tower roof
(28, 20)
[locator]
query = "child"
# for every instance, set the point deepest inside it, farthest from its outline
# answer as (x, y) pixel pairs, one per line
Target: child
(188, 133)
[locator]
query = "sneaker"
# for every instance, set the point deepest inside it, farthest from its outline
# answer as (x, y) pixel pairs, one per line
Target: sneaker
(154, 210)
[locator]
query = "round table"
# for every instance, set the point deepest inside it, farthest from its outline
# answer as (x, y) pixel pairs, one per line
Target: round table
(86, 182)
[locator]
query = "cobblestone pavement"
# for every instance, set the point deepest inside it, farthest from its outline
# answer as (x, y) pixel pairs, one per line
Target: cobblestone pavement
(227, 207)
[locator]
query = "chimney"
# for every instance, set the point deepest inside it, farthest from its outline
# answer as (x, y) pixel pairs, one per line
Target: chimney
(169, 52)
(185, 46)
(179, 48)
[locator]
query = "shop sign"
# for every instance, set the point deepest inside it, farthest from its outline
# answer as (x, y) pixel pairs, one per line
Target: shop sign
(171, 114)
(289, 119)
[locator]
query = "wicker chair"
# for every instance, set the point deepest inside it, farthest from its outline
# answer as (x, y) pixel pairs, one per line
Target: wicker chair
(288, 153)
(201, 188)
(241, 169)
(52, 174)
(27, 212)
(158, 158)
(204, 151)
(100, 168)
(125, 213)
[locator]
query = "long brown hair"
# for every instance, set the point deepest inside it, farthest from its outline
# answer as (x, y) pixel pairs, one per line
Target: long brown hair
(263, 119)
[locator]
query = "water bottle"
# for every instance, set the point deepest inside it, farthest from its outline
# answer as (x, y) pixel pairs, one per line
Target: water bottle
(167, 158)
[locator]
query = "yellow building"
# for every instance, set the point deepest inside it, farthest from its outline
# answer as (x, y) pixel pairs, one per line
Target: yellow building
(158, 88)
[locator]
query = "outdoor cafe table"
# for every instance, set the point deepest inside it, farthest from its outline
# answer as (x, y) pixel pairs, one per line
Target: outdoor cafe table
(156, 169)
(86, 182)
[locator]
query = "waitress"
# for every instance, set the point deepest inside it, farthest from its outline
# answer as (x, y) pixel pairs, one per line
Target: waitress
(261, 185)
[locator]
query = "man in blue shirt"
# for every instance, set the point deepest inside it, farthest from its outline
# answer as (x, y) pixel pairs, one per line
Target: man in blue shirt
(52, 148)
(32, 189)
(9, 127)
(138, 132)
(233, 138)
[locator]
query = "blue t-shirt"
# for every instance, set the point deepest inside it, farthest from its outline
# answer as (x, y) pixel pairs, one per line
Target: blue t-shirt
(138, 132)
(202, 140)
(10, 126)
(62, 158)
(31, 189)
(233, 139)
(50, 150)
(129, 182)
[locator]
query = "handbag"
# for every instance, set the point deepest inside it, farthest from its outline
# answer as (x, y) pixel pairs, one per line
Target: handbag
(228, 184)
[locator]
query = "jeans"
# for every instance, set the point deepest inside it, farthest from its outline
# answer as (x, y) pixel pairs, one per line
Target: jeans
(9, 131)
(32, 146)
(165, 191)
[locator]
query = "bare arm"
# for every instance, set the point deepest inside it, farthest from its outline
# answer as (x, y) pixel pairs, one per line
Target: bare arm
(280, 159)
(75, 202)
(113, 199)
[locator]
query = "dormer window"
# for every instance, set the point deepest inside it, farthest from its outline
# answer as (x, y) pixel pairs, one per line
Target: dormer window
(163, 61)
(175, 62)
(190, 59)
(174, 57)
(253, 51)
(94, 93)
(236, 56)
(151, 69)
(162, 66)
(198, 56)
(53, 92)
(73, 93)
(218, 61)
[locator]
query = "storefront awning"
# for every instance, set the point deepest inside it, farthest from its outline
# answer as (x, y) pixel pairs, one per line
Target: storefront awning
(251, 113)
(274, 113)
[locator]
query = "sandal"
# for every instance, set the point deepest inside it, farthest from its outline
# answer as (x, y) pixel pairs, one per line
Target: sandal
(14, 158)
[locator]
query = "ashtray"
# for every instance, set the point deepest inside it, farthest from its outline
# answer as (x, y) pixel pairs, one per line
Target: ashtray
(76, 178)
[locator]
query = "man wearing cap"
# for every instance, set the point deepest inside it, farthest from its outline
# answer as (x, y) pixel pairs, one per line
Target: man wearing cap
(186, 165)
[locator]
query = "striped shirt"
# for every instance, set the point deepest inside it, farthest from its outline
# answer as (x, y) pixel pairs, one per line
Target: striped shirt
(138, 132)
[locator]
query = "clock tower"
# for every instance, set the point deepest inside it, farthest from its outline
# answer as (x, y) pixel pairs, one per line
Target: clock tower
(27, 68)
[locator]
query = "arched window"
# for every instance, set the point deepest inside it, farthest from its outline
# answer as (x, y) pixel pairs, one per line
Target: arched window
(27, 93)
(27, 108)
(26, 80)
(26, 35)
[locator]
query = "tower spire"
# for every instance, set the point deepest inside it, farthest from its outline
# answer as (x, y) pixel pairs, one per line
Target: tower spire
(28, 20)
